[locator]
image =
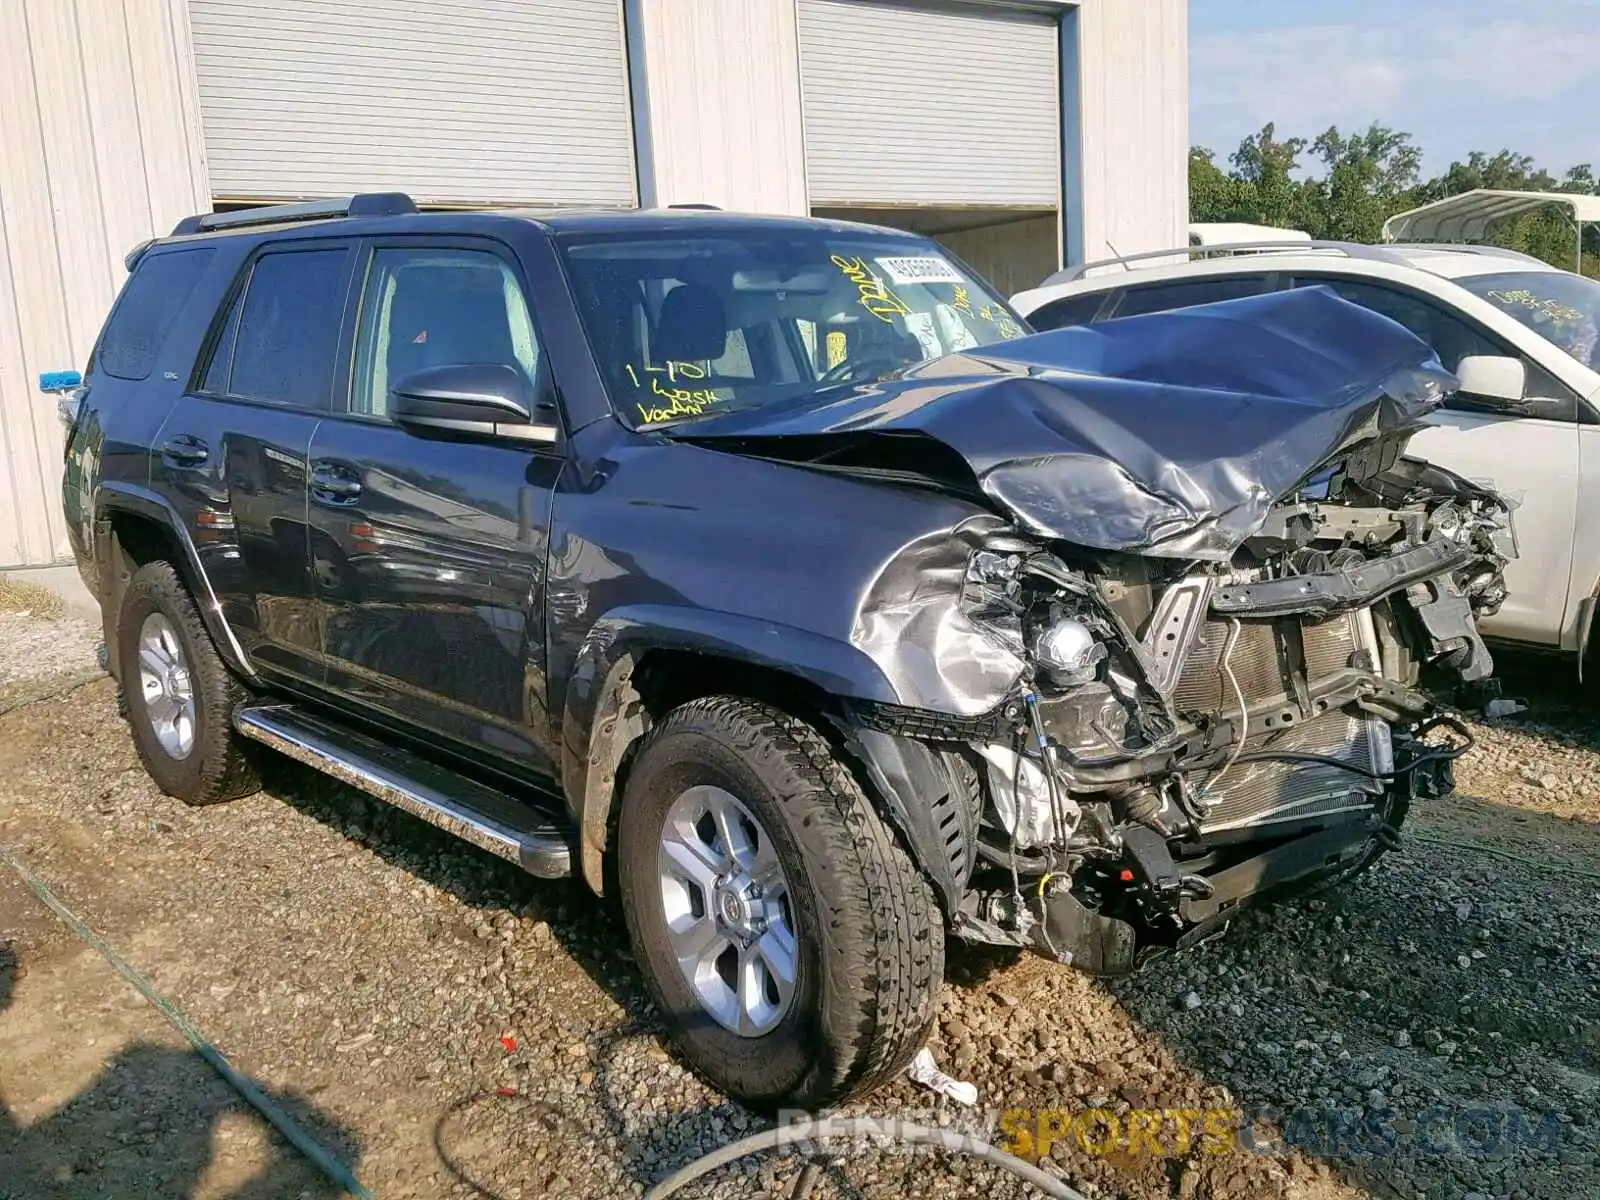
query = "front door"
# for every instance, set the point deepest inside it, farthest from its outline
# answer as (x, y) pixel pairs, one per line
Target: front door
(232, 453)
(428, 550)
(1532, 460)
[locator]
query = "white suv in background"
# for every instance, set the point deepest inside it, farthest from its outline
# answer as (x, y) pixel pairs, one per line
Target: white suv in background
(1524, 338)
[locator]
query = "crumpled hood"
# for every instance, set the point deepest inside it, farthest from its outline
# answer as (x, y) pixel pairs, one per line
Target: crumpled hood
(1169, 435)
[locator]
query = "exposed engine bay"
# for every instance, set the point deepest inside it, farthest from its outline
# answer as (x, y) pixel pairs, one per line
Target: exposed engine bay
(1183, 736)
(1195, 650)
(1174, 724)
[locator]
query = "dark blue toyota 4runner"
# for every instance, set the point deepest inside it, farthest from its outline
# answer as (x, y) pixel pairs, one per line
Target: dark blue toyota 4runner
(772, 575)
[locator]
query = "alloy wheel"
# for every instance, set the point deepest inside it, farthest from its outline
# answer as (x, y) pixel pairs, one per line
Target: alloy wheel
(728, 914)
(167, 687)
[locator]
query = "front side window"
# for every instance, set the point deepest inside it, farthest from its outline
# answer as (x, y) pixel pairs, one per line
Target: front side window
(427, 307)
(283, 347)
(1560, 307)
(1451, 337)
(144, 315)
(690, 326)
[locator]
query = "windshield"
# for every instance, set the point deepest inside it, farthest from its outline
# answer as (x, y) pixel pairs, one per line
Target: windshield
(1559, 306)
(689, 326)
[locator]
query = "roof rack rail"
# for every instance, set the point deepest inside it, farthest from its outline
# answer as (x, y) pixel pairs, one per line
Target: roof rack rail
(1469, 248)
(365, 204)
(1351, 249)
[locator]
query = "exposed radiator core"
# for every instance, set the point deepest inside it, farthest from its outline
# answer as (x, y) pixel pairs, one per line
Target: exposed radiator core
(1256, 662)
(1267, 792)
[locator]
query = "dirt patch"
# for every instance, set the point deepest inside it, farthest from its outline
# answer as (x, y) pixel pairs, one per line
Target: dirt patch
(456, 1028)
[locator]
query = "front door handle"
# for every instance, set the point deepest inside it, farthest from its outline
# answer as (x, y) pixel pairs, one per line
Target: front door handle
(185, 450)
(334, 483)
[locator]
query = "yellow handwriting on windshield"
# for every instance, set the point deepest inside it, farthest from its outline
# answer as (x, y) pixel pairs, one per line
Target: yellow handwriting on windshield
(1552, 310)
(875, 297)
(673, 371)
(680, 402)
(962, 302)
(1001, 320)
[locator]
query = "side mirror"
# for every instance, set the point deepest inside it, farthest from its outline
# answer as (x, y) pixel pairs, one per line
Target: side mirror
(1493, 377)
(485, 399)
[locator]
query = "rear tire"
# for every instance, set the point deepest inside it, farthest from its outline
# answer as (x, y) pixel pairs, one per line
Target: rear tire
(178, 694)
(867, 934)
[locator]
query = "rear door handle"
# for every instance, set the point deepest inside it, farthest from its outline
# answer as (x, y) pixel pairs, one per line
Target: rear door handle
(334, 483)
(185, 450)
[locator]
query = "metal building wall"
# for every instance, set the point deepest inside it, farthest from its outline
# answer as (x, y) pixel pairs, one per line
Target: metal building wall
(99, 149)
(716, 92)
(1128, 140)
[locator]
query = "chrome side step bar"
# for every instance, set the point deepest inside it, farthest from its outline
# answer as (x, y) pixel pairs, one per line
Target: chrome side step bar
(473, 812)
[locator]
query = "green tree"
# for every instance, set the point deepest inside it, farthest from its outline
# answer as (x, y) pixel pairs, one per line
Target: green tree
(1369, 176)
(1212, 192)
(1264, 168)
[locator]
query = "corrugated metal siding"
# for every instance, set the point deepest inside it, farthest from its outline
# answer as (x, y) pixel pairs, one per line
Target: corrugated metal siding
(721, 83)
(470, 101)
(1134, 97)
(99, 149)
(930, 104)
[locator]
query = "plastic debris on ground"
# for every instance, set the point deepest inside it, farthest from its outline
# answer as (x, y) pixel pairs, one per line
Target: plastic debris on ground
(925, 1071)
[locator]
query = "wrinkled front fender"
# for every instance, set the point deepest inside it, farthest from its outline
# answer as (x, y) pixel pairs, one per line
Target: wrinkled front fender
(602, 715)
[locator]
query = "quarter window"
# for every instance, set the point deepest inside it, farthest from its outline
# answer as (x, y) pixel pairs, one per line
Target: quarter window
(430, 307)
(1163, 297)
(144, 315)
(1067, 311)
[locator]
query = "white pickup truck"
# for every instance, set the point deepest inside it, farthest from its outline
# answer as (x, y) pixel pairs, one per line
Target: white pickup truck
(1524, 338)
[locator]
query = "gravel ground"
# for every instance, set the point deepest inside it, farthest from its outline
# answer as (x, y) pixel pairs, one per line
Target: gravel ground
(35, 651)
(455, 1028)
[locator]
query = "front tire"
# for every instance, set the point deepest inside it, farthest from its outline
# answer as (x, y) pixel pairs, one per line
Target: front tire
(794, 948)
(178, 693)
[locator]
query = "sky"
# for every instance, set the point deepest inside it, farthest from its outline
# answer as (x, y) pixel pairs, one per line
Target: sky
(1459, 75)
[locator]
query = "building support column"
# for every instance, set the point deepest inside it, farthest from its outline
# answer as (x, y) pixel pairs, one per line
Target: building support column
(716, 104)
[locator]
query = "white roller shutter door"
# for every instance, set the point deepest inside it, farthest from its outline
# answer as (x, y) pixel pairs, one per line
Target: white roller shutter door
(930, 104)
(456, 101)
(942, 104)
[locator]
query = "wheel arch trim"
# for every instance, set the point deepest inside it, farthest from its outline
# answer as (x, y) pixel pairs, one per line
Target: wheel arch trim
(602, 713)
(114, 497)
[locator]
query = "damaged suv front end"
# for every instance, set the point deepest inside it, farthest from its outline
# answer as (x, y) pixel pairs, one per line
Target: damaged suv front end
(1192, 651)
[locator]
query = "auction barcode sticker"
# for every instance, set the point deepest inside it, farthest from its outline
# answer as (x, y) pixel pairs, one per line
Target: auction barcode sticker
(920, 269)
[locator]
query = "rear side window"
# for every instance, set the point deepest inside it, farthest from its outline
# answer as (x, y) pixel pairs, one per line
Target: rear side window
(1069, 310)
(279, 343)
(1163, 297)
(150, 303)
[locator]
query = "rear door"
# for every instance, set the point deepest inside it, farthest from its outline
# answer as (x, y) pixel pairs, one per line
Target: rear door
(429, 549)
(1532, 459)
(232, 453)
